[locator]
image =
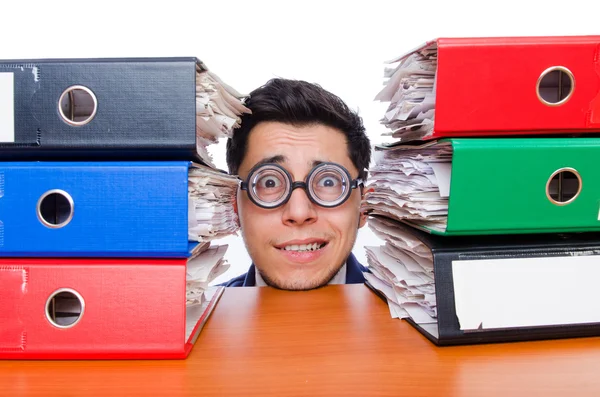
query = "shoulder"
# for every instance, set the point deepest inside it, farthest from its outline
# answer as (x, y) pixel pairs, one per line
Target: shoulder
(354, 271)
(243, 280)
(235, 282)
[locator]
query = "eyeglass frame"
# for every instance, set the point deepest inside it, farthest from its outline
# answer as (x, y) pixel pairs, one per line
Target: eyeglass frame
(353, 184)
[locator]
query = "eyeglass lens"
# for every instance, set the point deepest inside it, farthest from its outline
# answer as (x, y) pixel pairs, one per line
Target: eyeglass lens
(328, 184)
(270, 185)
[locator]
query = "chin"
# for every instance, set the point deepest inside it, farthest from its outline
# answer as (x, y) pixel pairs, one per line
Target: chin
(299, 283)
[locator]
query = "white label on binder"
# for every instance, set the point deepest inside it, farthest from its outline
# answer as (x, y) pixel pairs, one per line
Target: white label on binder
(527, 292)
(7, 108)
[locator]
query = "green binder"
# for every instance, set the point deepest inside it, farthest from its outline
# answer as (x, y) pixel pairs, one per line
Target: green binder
(521, 185)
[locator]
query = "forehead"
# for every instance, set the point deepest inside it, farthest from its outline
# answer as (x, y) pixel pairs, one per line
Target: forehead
(298, 147)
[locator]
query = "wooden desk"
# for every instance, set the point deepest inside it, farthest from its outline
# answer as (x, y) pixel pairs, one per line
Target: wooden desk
(338, 340)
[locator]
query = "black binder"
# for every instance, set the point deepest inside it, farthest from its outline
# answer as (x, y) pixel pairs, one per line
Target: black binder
(446, 249)
(142, 108)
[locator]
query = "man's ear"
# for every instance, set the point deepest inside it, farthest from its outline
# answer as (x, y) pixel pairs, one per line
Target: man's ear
(235, 207)
(362, 220)
(234, 202)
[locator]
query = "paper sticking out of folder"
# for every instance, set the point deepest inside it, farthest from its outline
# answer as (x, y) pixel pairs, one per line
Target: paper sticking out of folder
(194, 313)
(411, 183)
(202, 270)
(210, 210)
(404, 277)
(402, 270)
(218, 110)
(410, 89)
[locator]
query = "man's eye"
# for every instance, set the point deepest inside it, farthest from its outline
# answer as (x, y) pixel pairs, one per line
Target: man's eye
(329, 182)
(269, 183)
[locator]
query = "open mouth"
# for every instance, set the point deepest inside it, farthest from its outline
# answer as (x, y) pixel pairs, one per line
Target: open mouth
(303, 247)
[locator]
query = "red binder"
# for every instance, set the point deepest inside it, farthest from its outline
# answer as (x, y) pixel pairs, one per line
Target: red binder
(97, 309)
(505, 85)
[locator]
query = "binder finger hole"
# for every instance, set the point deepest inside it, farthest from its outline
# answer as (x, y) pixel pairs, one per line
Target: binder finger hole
(564, 186)
(77, 105)
(555, 86)
(64, 308)
(55, 209)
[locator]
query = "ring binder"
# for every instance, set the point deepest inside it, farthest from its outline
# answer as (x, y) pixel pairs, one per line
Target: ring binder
(129, 309)
(558, 251)
(112, 209)
(553, 88)
(522, 169)
(137, 108)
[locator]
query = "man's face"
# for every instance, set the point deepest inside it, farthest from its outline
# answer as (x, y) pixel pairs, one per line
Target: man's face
(268, 232)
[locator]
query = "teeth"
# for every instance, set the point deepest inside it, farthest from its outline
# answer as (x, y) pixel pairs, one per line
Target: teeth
(303, 247)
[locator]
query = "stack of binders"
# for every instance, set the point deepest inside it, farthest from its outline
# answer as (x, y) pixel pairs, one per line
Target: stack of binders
(109, 203)
(488, 199)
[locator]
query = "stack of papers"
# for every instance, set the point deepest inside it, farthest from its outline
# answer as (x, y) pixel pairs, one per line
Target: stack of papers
(201, 271)
(210, 209)
(402, 270)
(218, 110)
(410, 89)
(194, 314)
(411, 183)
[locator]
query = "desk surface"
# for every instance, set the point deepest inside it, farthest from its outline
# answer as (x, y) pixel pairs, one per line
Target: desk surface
(338, 340)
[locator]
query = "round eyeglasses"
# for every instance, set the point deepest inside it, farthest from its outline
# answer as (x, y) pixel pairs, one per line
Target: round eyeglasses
(327, 184)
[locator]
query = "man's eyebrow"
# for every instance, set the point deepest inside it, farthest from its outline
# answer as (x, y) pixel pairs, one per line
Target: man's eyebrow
(278, 159)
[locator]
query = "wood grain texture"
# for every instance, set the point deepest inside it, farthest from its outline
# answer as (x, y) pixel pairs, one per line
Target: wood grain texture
(338, 340)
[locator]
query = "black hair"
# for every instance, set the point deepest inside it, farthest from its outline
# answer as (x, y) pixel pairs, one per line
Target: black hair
(299, 103)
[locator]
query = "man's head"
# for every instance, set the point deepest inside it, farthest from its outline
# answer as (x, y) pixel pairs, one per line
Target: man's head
(295, 126)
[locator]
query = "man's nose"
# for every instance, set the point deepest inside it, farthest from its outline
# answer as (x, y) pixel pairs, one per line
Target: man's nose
(299, 209)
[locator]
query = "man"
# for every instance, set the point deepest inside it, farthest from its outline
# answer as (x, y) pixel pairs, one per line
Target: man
(302, 156)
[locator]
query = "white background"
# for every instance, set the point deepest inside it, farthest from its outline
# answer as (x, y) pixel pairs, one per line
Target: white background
(340, 45)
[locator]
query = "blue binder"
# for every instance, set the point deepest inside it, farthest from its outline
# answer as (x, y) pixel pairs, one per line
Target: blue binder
(99, 209)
